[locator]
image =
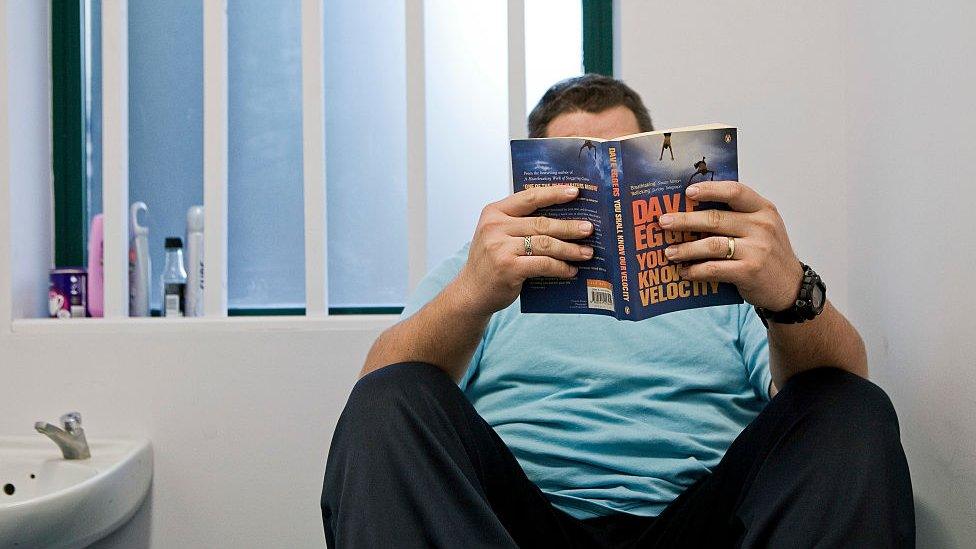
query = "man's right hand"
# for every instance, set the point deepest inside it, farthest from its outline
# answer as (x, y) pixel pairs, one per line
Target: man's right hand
(497, 263)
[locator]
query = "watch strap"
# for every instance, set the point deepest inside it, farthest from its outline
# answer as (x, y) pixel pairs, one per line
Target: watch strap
(802, 309)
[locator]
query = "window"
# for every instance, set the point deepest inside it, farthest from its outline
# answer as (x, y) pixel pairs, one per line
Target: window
(466, 82)
(553, 45)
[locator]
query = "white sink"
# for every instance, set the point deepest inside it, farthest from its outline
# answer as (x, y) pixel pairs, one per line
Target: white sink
(49, 502)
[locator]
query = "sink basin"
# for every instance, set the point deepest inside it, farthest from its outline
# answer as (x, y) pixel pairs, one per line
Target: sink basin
(49, 502)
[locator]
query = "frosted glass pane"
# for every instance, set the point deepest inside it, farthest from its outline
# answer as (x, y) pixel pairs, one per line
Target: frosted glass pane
(165, 118)
(467, 118)
(553, 45)
(365, 87)
(265, 238)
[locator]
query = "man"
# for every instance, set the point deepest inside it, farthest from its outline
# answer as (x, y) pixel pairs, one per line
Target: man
(582, 431)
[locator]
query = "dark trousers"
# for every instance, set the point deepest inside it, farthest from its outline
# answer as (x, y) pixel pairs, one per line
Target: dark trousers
(412, 464)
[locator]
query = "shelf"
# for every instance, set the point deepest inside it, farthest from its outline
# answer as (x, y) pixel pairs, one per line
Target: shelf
(48, 326)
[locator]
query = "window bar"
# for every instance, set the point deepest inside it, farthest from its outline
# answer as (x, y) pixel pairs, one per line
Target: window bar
(115, 156)
(6, 269)
(215, 157)
(69, 92)
(313, 159)
(516, 70)
(598, 41)
(416, 143)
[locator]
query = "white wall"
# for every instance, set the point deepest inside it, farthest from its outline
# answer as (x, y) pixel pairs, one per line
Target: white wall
(775, 71)
(856, 120)
(912, 240)
(240, 422)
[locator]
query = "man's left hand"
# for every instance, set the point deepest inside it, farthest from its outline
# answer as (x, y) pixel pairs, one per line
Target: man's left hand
(763, 266)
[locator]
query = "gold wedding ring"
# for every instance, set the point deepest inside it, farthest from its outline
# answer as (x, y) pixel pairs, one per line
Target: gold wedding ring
(731, 251)
(528, 245)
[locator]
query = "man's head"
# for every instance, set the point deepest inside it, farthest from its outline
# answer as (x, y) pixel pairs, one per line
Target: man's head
(591, 105)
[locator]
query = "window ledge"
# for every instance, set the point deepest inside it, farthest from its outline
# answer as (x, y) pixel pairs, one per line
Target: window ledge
(153, 325)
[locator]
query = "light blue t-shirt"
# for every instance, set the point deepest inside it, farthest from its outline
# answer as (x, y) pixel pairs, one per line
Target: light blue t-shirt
(606, 415)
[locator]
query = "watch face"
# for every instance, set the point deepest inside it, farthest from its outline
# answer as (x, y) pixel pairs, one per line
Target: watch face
(817, 298)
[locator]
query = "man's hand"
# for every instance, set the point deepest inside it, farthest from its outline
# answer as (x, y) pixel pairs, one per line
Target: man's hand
(763, 267)
(497, 263)
(768, 275)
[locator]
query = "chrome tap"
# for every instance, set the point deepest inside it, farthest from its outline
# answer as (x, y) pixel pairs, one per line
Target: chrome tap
(71, 439)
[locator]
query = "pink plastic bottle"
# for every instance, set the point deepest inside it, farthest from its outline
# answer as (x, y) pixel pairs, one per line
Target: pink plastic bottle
(96, 276)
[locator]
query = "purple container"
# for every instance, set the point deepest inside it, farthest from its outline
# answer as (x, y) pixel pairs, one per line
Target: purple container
(67, 296)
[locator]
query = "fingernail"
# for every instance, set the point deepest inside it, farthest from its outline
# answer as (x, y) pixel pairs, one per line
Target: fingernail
(671, 251)
(571, 191)
(573, 271)
(587, 251)
(691, 191)
(585, 226)
(666, 220)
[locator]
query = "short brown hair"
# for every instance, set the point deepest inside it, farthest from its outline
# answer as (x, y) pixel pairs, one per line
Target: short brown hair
(591, 93)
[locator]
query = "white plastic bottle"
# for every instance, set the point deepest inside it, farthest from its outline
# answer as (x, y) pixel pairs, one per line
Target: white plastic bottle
(194, 261)
(140, 265)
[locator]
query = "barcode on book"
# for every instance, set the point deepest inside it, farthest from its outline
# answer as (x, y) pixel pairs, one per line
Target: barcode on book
(599, 295)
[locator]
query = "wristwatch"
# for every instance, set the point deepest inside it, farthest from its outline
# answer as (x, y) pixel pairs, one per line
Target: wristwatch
(809, 301)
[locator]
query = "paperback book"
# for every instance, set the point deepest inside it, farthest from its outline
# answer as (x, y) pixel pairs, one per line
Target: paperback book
(625, 185)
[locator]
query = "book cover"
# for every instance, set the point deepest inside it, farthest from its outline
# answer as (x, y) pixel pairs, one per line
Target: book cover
(625, 186)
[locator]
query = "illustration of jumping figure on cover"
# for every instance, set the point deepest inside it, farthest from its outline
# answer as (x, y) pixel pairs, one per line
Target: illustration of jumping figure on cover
(666, 145)
(701, 168)
(590, 148)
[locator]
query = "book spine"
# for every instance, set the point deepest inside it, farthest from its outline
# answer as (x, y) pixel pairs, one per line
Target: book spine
(614, 234)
